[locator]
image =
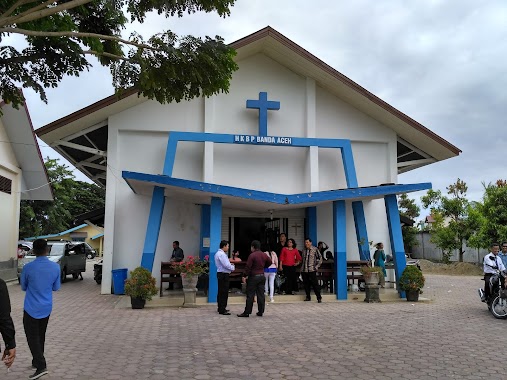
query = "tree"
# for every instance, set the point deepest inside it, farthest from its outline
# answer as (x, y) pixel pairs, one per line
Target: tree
(452, 228)
(71, 198)
(491, 215)
(409, 209)
(61, 34)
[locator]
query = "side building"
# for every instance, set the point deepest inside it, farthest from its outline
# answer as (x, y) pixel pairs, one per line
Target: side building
(23, 176)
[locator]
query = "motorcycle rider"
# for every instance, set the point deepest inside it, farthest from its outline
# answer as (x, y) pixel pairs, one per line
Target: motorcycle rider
(492, 263)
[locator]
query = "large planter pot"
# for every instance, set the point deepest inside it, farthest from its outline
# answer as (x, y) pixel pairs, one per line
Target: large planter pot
(137, 303)
(412, 295)
(189, 290)
(189, 282)
(371, 278)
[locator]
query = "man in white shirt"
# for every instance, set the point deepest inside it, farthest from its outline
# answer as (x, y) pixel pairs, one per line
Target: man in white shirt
(492, 263)
(224, 268)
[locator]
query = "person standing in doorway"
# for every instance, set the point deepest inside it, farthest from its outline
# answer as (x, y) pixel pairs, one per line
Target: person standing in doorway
(312, 260)
(176, 257)
(282, 243)
(379, 260)
(7, 326)
(224, 268)
(289, 260)
(254, 273)
(39, 280)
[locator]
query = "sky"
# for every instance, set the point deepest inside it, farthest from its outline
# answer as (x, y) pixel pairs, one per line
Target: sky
(443, 63)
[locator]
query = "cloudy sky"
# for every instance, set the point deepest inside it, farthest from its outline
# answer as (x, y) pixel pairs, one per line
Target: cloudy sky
(443, 63)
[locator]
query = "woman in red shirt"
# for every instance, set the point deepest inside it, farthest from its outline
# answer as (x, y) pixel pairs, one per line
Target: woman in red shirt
(289, 260)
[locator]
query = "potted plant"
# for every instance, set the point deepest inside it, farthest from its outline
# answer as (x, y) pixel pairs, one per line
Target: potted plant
(190, 269)
(372, 275)
(141, 286)
(412, 282)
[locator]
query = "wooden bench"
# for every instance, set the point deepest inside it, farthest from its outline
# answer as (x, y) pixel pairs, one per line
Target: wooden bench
(167, 273)
(326, 275)
(237, 274)
(354, 270)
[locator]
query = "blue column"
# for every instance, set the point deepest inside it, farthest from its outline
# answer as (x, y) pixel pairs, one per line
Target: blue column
(153, 228)
(340, 249)
(349, 166)
(361, 233)
(215, 237)
(205, 233)
(397, 248)
(311, 224)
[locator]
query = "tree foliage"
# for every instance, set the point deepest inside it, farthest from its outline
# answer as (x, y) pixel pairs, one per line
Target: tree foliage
(452, 227)
(491, 216)
(411, 210)
(71, 198)
(60, 34)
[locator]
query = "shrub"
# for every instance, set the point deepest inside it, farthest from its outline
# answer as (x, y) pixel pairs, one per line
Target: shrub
(366, 271)
(141, 284)
(411, 279)
(191, 267)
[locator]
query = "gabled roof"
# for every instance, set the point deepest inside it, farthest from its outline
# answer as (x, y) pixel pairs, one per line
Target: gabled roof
(19, 129)
(417, 145)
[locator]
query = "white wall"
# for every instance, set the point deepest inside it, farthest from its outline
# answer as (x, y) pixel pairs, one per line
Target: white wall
(138, 138)
(9, 203)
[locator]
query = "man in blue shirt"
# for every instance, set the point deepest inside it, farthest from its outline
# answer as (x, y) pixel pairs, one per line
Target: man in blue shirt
(39, 279)
(503, 254)
(224, 268)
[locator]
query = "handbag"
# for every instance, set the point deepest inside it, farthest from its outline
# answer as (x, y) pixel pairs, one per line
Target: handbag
(279, 280)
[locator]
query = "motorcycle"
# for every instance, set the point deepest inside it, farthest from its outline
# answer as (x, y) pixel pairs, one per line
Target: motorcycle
(497, 300)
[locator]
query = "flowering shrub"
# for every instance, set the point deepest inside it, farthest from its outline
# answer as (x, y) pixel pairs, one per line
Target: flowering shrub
(191, 267)
(412, 279)
(141, 284)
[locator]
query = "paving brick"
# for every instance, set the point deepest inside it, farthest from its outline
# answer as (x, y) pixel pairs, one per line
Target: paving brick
(90, 338)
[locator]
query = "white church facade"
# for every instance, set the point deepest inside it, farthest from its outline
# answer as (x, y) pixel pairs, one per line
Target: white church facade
(294, 147)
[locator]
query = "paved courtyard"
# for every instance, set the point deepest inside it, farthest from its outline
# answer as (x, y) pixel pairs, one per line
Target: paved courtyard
(88, 338)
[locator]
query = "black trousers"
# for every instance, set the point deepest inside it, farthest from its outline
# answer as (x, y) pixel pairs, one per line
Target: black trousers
(255, 286)
(290, 279)
(310, 281)
(223, 291)
(35, 331)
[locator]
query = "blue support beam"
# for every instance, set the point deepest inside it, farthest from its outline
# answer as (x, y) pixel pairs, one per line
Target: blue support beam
(340, 249)
(396, 237)
(205, 230)
(215, 236)
(153, 228)
(361, 232)
(348, 165)
(311, 224)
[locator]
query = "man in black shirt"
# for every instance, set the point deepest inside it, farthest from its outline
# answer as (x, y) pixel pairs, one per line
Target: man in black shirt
(7, 326)
(176, 257)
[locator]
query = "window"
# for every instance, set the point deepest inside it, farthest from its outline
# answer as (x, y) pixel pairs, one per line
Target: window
(5, 185)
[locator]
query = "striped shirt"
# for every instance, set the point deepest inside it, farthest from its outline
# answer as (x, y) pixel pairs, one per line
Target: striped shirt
(312, 259)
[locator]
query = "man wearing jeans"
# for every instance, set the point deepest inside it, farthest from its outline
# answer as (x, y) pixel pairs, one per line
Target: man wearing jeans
(39, 279)
(254, 270)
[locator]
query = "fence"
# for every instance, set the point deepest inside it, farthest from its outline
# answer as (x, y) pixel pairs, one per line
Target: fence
(429, 251)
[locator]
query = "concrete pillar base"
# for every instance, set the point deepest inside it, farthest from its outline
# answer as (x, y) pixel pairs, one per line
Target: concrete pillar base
(189, 298)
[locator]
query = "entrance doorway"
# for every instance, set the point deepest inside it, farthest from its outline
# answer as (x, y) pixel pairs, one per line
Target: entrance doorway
(263, 229)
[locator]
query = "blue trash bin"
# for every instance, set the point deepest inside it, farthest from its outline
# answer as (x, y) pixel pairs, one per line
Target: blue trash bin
(119, 277)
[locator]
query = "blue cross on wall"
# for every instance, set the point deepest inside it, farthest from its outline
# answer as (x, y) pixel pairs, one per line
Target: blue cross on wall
(263, 105)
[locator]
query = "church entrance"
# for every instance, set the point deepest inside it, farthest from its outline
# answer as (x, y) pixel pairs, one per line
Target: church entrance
(265, 230)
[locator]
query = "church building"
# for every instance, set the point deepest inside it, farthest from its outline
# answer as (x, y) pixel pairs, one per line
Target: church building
(294, 147)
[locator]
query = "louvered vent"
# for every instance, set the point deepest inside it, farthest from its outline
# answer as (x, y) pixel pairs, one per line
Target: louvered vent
(5, 185)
